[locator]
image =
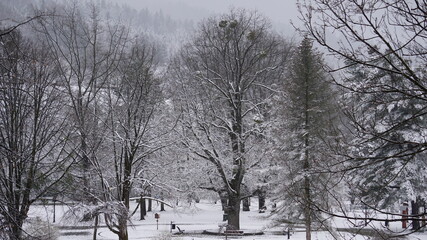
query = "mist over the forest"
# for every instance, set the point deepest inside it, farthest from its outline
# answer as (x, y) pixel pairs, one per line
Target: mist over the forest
(280, 12)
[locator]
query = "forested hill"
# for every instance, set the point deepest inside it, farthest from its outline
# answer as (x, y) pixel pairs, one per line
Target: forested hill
(154, 25)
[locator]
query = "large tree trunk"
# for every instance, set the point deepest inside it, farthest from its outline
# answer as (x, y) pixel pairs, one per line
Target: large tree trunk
(414, 212)
(16, 217)
(123, 235)
(126, 188)
(238, 149)
(233, 211)
(123, 223)
(16, 233)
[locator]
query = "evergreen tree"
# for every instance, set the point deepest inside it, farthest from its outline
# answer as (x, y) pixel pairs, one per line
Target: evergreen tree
(391, 171)
(307, 128)
(387, 85)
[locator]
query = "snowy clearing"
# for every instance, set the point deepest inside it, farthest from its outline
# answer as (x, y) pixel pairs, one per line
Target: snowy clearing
(193, 220)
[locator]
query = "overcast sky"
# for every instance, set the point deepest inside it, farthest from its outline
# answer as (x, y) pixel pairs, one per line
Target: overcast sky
(280, 12)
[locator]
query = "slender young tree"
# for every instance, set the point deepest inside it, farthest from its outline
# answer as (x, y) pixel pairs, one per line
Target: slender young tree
(88, 50)
(137, 128)
(307, 127)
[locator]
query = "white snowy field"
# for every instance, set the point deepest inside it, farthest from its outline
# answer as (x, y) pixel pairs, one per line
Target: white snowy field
(193, 220)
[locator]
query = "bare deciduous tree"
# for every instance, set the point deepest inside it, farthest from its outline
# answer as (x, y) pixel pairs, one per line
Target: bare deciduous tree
(231, 58)
(136, 125)
(33, 129)
(88, 51)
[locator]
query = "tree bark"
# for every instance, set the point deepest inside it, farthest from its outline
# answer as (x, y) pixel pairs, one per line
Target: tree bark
(261, 200)
(307, 208)
(233, 211)
(123, 235)
(143, 208)
(162, 205)
(95, 228)
(17, 231)
(415, 211)
(150, 202)
(246, 205)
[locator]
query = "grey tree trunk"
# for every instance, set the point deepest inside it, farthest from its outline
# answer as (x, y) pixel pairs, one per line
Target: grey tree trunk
(306, 167)
(233, 211)
(143, 208)
(246, 204)
(414, 212)
(261, 200)
(307, 208)
(95, 227)
(150, 204)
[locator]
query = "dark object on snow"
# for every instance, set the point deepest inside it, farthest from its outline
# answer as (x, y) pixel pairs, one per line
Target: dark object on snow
(180, 231)
(288, 233)
(143, 211)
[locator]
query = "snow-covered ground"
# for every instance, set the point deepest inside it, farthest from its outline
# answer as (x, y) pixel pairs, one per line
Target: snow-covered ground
(192, 220)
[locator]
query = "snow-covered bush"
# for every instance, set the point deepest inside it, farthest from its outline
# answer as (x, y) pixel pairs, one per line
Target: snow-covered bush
(165, 236)
(37, 229)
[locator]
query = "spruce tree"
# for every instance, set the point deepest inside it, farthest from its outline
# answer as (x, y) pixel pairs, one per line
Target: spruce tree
(386, 124)
(308, 112)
